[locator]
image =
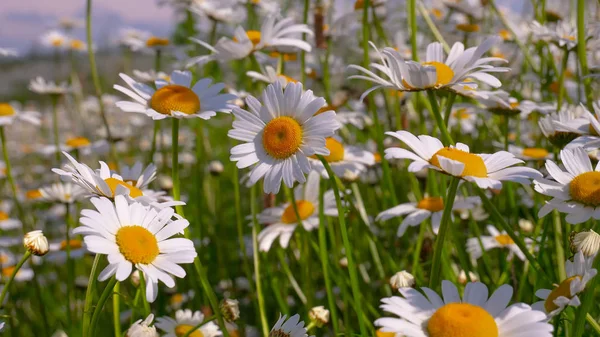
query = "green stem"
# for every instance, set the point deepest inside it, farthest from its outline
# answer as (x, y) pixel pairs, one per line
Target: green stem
(116, 310)
(587, 303)
(12, 276)
(108, 290)
(54, 99)
(142, 287)
(561, 79)
(290, 276)
(445, 225)
(153, 145)
(89, 294)
(259, 294)
(323, 254)
(346, 241)
(582, 53)
(506, 227)
(302, 52)
(70, 281)
(189, 332)
(175, 164)
(240, 226)
(11, 180)
(435, 110)
(436, 32)
(448, 108)
(558, 245)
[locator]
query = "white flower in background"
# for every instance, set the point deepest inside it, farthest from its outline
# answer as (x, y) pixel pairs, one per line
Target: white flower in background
(8, 52)
(280, 135)
(402, 279)
(40, 86)
(80, 144)
(134, 235)
(150, 76)
(54, 39)
(344, 160)
(428, 207)
(430, 315)
(319, 315)
(225, 11)
(563, 126)
(142, 328)
(485, 170)
(496, 240)
(63, 192)
(11, 112)
(529, 153)
(291, 327)
(576, 191)
(282, 220)
(579, 273)
(183, 323)
(176, 98)
(464, 115)
(270, 75)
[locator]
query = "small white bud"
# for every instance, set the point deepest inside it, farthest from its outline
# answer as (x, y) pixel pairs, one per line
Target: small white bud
(36, 243)
(142, 328)
(319, 315)
(230, 309)
(344, 262)
(165, 182)
(526, 225)
(402, 279)
(462, 277)
(587, 242)
(215, 167)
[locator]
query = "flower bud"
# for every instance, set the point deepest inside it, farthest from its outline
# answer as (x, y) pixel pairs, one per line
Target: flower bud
(462, 277)
(344, 262)
(36, 243)
(587, 242)
(319, 316)
(135, 278)
(402, 279)
(230, 309)
(526, 225)
(215, 167)
(142, 328)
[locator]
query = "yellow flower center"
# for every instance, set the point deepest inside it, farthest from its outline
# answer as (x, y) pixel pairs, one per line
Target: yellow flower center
(498, 54)
(33, 194)
(305, 210)
(324, 109)
(282, 137)
(462, 320)
(569, 37)
(137, 244)
(4, 258)
(77, 45)
(3, 216)
(77, 142)
(254, 36)
(286, 56)
(563, 289)
(336, 150)
(182, 329)
(6, 110)
(56, 42)
(175, 97)
(554, 87)
(504, 240)
(73, 244)
(377, 156)
(535, 152)
(437, 13)
(287, 78)
(432, 204)
(505, 34)
(176, 299)
(157, 42)
(7, 271)
(585, 188)
(474, 165)
(444, 73)
(380, 333)
(112, 183)
(467, 27)
(359, 4)
(461, 114)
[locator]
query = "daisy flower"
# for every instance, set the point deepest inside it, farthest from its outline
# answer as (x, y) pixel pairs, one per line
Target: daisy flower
(460, 68)
(499, 102)
(430, 315)
(579, 273)
(280, 135)
(274, 34)
(10, 112)
(575, 191)
(184, 321)
(496, 240)
(142, 328)
(58, 250)
(40, 86)
(529, 153)
(6, 222)
(136, 235)
(175, 98)
(63, 192)
(291, 327)
(282, 220)
(485, 170)
(428, 207)
(54, 39)
(80, 144)
(466, 117)
(563, 126)
(24, 274)
(344, 160)
(225, 11)
(270, 75)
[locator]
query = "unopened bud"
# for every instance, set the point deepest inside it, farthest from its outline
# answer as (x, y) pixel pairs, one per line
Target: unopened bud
(587, 242)
(462, 277)
(230, 309)
(402, 279)
(344, 262)
(319, 315)
(135, 278)
(36, 243)
(215, 167)
(526, 225)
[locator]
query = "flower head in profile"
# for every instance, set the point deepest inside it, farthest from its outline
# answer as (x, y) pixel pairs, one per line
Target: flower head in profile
(176, 98)
(11, 112)
(40, 86)
(280, 133)
(496, 239)
(63, 192)
(485, 170)
(288, 327)
(135, 235)
(432, 315)
(54, 39)
(184, 322)
(36, 243)
(579, 273)
(142, 328)
(345, 160)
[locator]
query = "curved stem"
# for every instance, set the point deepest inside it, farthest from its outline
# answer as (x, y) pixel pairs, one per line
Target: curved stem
(11, 180)
(445, 224)
(435, 110)
(117, 310)
(259, 294)
(108, 290)
(89, 294)
(581, 52)
(347, 246)
(54, 99)
(175, 164)
(12, 276)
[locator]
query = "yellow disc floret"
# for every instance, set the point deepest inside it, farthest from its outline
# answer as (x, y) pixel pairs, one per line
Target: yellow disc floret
(112, 183)
(467, 28)
(6, 110)
(175, 97)
(3, 216)
(282, 137)
(535, 152)
(432, 204)
(137, 244)
(474, 165)
(504, 240)
(336, 150)
(77, 142)
(305, 210)
(585, 188)
(444, 73)
(157, 42)
(73, 244)
(563, 289)
(254, 36)
(182, 330)
(462, 320)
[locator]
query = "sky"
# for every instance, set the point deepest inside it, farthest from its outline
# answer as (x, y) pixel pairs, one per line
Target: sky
(22, 21)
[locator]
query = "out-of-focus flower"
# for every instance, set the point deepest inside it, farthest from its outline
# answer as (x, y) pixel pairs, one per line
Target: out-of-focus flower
(402, 279)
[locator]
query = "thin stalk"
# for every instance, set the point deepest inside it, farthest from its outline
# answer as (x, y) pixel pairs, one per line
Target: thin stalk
(323, 254)
(506, 227)
(96, 79)
(108, 290)
(436, 32)
(435, 110)
(561, 79)
(70, 280)
(54, 99)
(346, 241)
(582, 54)
(12, 276)
(11, 179)
(240, 226)
(153, 145)
(448, 108)
(290, 276)
(142, 287)
(175, 165)
(259, 294)
(558, 245)
(587, 303)
(303, 53)
(89, 294)
(412, 27)
(116, 310)
(445, 225)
